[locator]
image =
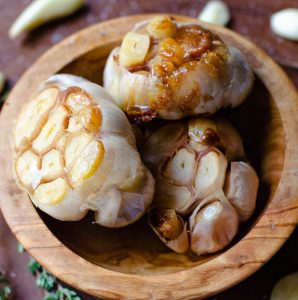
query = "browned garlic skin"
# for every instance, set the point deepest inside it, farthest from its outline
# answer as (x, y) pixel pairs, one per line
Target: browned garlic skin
(188, 161)
(213, 224)
(189, 73)
(179, 241)
(241, 189)
(74, 150)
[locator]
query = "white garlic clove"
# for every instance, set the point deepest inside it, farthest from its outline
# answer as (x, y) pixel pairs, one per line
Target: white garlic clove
(286, 288)
(215, 12)
(285, 23)
(170, 228)
(241, 188)
(211, 173)
(42, 11)
(213, 224)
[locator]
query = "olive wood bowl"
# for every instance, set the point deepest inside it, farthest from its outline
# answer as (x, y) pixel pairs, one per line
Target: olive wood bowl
(131, 263)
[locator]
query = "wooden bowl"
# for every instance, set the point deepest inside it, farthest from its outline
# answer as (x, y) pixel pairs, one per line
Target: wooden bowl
(131, 262)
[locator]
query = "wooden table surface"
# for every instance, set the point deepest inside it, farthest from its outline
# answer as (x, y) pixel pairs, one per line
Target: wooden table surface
(249, 17)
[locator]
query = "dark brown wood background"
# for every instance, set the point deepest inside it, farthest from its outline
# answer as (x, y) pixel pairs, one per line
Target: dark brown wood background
(249, 17)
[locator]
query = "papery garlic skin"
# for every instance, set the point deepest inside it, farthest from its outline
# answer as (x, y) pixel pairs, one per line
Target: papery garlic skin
(241, 189)
(187, 72)
(213, 224)
(188, 160)
(74, 150)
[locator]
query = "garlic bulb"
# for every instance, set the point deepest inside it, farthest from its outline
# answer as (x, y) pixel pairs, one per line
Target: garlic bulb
(170, 228)
(213, 224)
(75, 150)
(186, 70)
(241, 189)
(187, 161)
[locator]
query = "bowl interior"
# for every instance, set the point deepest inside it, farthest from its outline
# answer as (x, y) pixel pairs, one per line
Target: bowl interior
(135, 248)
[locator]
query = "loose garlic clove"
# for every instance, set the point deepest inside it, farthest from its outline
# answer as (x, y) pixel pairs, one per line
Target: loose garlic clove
(210, 174)
(87, 163)
(170, 228)
(134, 49)
(27, 168)
(54, 126)
(285, 23)
(241, 188)
(52, 165)
(42, 11)
(161, 27)
(215, 12)
(286, 288)
(181, 168)
(33, 116)
(2, 82)
(52, 192)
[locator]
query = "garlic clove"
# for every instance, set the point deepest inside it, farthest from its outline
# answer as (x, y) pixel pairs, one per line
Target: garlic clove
(170, 228)
(42, 11)
(87, 163)
(33, 116)
(161, 27)
(55, 125)
(286, 288)
(27, 169)
(241, 188)
(213, 224)
(52, 192)
(134, 49)
(285, 23)
(180, 168)
(2, 82)
(52, 165)
(210, 174)
(74, 124)
(215, 12)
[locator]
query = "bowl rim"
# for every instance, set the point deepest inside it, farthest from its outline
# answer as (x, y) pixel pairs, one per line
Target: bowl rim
(264, 239)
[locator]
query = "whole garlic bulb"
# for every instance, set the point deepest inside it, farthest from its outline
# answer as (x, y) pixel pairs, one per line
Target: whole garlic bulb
(173, 70)
(199, 176)
(75, 150)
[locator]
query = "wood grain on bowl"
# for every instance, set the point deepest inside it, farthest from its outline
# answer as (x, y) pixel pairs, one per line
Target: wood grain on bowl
(111, 264)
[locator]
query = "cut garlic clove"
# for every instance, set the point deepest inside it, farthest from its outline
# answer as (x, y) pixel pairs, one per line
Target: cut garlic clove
(33, 116)
(169, 49)
(78, 101)
(180, 168)
(42, 11)
(170, 228)
(161, 27)
(74, 147)
(213, 224)
(285, 23)
(241, 188)
(210, 174)
(52, 193)
(215, 12)
(87, 163)
(134, 49)
(27, 169)
(52, 165)
(55, 125)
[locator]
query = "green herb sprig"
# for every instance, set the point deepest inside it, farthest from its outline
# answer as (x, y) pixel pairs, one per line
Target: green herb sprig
(5, 290)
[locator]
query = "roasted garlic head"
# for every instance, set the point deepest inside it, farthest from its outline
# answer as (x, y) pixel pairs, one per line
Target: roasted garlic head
(198, 170)
(74, 150)
(171, 70)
